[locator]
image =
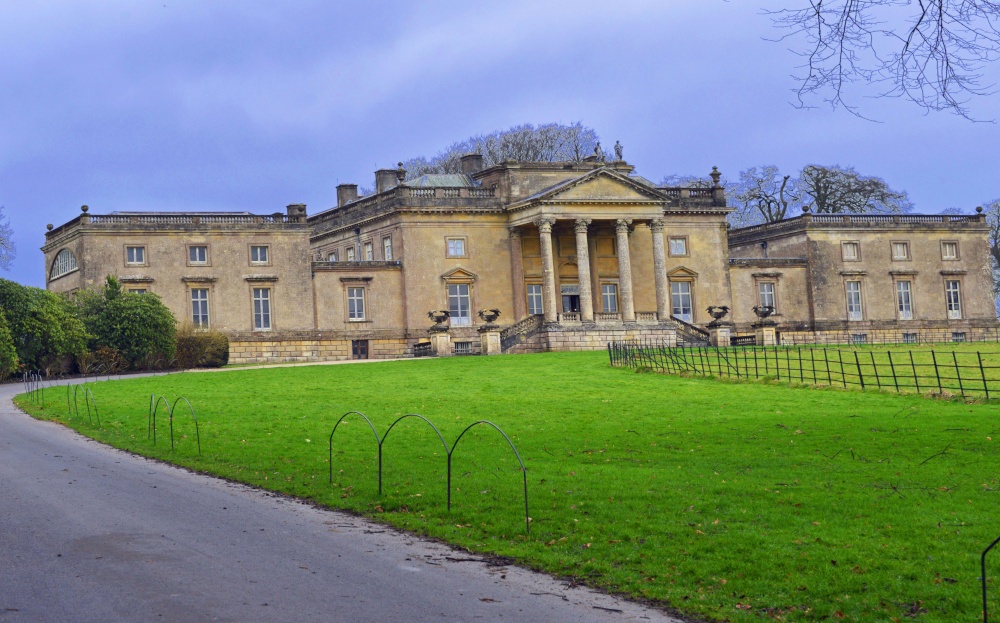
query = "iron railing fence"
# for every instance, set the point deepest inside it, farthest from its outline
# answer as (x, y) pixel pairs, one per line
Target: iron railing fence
(937, 371)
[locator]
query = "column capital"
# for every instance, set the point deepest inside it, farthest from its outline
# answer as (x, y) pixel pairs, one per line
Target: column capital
(581, 224)
(622, 225)
(656, 225)
(514, 231)
(545, 224)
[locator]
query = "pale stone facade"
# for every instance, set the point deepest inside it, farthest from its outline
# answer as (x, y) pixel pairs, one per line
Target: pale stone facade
(867, 277)
(571, 254)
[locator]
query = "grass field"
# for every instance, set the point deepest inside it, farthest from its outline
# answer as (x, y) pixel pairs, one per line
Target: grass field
(727, 501)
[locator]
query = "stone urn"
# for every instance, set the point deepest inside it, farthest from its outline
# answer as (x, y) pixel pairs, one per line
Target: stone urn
(717, 312)
(440, 318)
(762, 312)
(489, 316)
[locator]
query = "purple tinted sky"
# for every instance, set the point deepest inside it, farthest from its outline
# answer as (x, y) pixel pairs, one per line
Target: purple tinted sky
(226, 105)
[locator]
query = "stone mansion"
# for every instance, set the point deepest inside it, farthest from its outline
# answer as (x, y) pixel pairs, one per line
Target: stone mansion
(572, 254)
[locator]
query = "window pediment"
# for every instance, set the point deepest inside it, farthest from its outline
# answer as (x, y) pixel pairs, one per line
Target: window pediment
(459, 275)
(682, 272)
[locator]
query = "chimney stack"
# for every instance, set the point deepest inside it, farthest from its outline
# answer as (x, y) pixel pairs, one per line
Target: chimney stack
(385, 179)
(346, 193)
(471, 163)
(297, 211)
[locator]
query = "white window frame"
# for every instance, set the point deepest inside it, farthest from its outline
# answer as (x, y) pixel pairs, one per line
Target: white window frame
(904, 299)
(854, 300)
(854, 255)
(682, 300)
(536, 300)
(368, 251)
(387, 248)
(333, 255)
(63, 264)
(677, 246)
(255, 249)
(949, 250)
(350, 254)
(767, 294)
(356, 304)
(135, 255)
(460, 304)
(261, 309)
(456, 246)
(609, 298)
(199, 308)
(953, 298)
(897, 245)
(192, 251)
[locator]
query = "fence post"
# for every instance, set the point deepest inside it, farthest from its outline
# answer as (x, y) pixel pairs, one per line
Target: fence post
(840, 357)
(857, 362)
(958, 373)
(913, 366)
(812, 362)
(893, 369)
(982, 374)
(937, 373)
(875, 369)
(826, 360)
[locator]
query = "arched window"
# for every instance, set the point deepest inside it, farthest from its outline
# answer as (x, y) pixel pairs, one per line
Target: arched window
(65, 262)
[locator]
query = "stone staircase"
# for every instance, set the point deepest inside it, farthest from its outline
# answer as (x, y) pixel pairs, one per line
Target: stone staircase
(689, 335)
(520, 332)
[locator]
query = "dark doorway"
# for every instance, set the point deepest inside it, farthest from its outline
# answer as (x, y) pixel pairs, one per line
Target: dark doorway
(359, 349)
(571, 303)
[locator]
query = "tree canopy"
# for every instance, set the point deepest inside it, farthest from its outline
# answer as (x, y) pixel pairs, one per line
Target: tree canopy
(764, 194)
(138, 326)
(550, 142)
(46, 330)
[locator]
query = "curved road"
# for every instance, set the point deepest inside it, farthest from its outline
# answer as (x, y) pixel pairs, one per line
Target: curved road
(89, 533)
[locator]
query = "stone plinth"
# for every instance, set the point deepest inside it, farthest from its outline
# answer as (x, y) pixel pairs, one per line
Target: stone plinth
(441, 344)
(766, 335)
(719, 335)
(490, 341)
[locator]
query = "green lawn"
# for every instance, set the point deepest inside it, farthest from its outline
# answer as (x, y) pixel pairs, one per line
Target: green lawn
(728, 501)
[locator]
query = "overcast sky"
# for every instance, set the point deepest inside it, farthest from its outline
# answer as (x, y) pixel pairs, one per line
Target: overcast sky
(241, 105)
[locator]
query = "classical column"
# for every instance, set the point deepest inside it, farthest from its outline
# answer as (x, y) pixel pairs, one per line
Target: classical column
(625, 270)
(659, 269)
(517, 273)
(583, 270)
(548, 271)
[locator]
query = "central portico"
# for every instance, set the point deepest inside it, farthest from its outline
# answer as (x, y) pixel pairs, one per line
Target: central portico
(584, 268)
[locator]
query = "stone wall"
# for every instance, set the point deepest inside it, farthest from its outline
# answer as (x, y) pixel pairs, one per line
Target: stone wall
(561, 338)
(312, 346)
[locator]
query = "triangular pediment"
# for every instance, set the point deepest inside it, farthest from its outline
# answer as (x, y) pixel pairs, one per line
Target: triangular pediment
(458, 274)
(682, 272)
(600, 185)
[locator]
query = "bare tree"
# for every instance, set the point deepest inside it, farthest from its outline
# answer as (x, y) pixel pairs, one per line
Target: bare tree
(837, 189)
(687, 181)
(763, 195)
(931, 52)
(7, 248)
(552, 142)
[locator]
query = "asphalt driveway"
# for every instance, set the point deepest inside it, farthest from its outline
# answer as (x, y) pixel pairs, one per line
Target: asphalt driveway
(89, 533)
